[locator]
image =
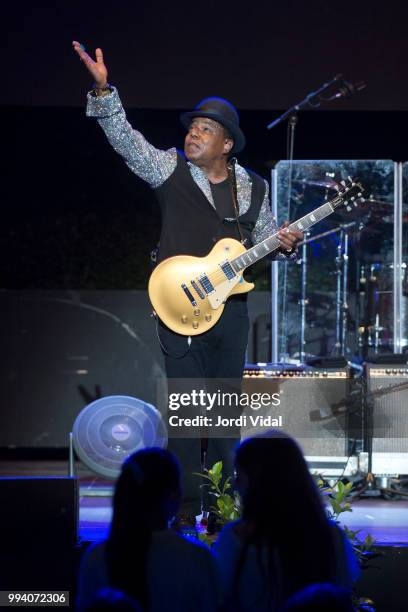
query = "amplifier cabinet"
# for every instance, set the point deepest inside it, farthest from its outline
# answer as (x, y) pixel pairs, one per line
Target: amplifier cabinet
(386, 418)
(313, 409)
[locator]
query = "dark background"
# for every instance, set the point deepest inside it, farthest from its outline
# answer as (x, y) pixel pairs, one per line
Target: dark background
(262, 55)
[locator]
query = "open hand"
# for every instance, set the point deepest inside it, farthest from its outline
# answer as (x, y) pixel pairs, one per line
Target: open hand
(97, 69)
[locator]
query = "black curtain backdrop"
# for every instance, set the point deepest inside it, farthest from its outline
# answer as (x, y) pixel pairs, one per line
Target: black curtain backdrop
(261, 55)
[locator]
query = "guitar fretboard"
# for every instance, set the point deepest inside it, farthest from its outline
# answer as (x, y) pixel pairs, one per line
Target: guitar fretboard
(272, 243)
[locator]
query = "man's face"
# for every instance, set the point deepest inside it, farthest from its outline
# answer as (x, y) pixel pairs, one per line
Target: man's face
(206, 142)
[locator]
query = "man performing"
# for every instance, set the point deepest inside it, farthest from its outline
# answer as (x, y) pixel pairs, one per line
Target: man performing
(198, 208)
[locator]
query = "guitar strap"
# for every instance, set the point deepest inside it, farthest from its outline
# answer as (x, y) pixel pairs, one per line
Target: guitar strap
(234, 194)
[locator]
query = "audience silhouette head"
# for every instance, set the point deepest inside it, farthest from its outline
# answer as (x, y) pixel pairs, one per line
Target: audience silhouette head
(148, 489)
(271, 474)
(283, 512)
(147, 496)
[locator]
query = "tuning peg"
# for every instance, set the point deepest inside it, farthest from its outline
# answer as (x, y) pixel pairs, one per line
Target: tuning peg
(343, 183)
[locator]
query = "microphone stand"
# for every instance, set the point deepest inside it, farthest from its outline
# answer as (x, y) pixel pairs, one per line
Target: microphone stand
(292, 116)
(290, 145)
(306, 101)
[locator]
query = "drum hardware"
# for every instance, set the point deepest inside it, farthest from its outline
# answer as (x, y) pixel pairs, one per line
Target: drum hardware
(376, 291)
(370, 336)
(340, 347)
(342, 289)
(375, 330)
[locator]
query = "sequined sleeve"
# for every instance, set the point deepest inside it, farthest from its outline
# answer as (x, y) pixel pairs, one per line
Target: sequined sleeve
(150, 164)
(266, 225)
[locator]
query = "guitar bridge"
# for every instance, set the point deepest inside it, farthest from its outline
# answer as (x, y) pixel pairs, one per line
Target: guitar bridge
(197, 289)
(189, 294)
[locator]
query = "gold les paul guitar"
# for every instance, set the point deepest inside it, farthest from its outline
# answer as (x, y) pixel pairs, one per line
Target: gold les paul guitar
(188, 293)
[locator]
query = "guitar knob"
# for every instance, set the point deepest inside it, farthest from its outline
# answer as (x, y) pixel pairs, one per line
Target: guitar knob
(184, 319)
(208, 317)
(196, 312)
(195, 324)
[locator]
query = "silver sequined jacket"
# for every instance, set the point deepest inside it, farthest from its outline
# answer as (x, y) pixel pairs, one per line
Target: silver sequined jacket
(155, 165)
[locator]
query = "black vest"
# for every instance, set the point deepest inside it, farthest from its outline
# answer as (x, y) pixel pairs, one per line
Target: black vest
(190, 225)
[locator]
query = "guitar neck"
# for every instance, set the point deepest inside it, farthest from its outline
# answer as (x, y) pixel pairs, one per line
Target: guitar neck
(262, 249)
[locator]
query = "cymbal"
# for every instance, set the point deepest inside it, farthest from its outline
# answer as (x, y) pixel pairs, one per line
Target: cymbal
(361, 212)
(379, 203)
(375, 211)
(325, 184)
(385, 205)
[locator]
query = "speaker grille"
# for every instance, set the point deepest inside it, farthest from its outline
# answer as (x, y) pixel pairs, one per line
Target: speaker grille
(387, 399)
(312, 406)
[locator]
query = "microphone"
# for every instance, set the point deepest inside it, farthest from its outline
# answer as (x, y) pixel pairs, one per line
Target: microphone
(347, 89)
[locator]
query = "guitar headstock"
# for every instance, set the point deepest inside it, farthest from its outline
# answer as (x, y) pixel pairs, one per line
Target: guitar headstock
(349, 194)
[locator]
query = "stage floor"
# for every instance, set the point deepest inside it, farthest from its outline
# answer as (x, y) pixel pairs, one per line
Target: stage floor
(386, 521)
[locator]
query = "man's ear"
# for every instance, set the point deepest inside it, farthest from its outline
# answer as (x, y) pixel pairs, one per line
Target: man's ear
(228, 145)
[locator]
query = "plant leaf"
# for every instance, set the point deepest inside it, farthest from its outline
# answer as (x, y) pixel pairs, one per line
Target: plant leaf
(217, 468)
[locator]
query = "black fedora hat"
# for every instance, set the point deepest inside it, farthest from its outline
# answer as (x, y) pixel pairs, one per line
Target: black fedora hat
(221, 111)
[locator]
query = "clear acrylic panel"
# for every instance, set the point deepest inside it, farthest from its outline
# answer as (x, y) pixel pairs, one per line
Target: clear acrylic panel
(404, 258)
(338, 300)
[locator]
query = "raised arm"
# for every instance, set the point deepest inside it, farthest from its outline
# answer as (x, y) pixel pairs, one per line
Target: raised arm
(150, 164)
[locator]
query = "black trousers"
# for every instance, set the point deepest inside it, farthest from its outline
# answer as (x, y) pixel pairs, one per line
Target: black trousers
(217, 355)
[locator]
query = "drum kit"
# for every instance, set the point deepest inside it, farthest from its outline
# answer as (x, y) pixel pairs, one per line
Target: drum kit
(364, 276)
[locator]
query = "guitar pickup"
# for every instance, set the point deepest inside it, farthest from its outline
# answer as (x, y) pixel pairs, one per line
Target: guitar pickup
(189, 294)
(228, 270)
(206, 283)
(198, 290)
